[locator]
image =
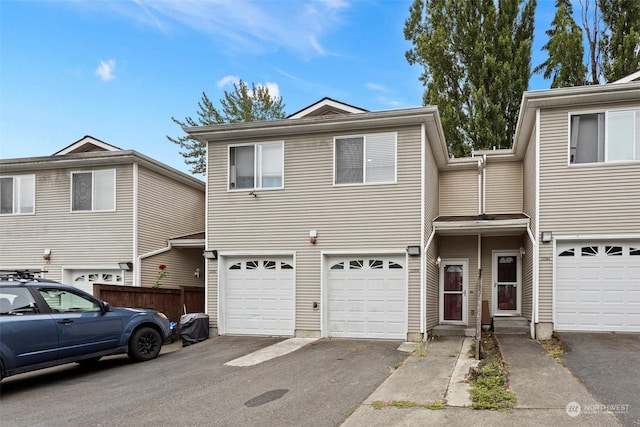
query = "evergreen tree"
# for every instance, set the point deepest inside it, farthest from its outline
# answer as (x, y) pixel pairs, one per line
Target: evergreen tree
(620, 43)
(476, 57)
(565, 62)
(240, 105)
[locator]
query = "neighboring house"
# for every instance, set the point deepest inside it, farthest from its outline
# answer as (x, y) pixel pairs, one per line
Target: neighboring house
(93, 213)
(345, 223)
(581, 150)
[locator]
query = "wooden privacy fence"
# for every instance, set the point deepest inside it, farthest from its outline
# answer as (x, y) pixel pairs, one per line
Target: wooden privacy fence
(171, 302)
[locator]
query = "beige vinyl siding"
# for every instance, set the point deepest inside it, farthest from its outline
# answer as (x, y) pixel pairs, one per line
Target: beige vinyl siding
(459, 192)
(431, 209)
(166, 209)
(464, 247)
(76, 239)
(354, 218)
(594, 199)
(181, 265)
(503, 187)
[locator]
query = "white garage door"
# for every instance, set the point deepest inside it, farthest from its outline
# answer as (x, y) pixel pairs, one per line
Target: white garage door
(598, 287)
(259, 296)
(85, 279)
(367, 297)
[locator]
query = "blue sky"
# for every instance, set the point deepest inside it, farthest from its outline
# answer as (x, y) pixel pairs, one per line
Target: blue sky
(119, 70)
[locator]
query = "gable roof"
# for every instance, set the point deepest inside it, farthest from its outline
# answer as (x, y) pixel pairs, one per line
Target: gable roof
(633, 77)
(326, 106)
(86, 144)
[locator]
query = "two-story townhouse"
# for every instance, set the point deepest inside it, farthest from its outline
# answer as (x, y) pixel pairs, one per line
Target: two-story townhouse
(581, 151)
(319, 220)
(93, 213)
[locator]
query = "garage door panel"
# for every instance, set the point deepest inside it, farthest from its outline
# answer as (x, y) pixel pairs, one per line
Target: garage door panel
(366, 297)
(259, 296)
(598, 288)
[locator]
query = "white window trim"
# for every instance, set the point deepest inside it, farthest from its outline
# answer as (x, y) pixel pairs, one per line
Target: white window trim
(606, 138)
(256, 166)
(364, 160)
(92, 172)
(33, 201)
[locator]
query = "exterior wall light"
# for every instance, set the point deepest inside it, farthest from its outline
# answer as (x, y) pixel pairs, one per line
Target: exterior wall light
(210, 254)
(547, 236)
(413, 250)
(125, 266)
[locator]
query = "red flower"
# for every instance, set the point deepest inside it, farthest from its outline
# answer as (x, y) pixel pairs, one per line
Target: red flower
(162, 267)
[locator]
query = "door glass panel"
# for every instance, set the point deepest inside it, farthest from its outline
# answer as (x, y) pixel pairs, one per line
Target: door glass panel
(507, 297)
(453, 278)
(507, 269)
(453, 306)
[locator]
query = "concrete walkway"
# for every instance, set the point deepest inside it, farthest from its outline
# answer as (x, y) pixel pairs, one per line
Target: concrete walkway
(548, 395)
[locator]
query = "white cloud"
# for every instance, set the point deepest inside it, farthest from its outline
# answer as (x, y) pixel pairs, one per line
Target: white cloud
(228, 81)
(274, 89)
(241, 25)
(376, 87)
(105, 70)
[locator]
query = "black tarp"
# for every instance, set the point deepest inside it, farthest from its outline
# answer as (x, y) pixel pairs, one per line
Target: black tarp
(194, 327)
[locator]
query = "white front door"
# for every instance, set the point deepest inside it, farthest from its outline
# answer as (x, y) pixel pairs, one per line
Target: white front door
(257, 296)
(453, 291)
(506, 283)
(366, 296)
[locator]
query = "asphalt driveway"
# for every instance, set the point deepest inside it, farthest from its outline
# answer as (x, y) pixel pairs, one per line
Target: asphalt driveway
(319, 384)
(608, 365)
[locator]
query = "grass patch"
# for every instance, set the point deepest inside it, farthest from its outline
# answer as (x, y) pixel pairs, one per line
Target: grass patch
(489, 384)
(400, 404)
(350, 410)
(436, 405)
(554, 347)
(407, 404)
(421, 347)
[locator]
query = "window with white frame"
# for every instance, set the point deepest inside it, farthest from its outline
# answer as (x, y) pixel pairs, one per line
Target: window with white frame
(608, 136)
(366, 159)
(17, 194)
(256, 166)
(93, 191)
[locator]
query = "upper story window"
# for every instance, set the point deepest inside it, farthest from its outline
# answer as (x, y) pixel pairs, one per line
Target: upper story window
(93, 191)
(256, 166)
(605, 137)
(367, 159)
(17, 194)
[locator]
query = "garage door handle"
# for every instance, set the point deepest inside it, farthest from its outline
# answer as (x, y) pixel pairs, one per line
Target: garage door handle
(65, 321)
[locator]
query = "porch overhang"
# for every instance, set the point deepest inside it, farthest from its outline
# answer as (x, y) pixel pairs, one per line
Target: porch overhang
(486, 225)
(196, 240)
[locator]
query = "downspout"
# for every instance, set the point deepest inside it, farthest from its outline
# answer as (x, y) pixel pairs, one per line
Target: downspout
(484, 184)
(479, 300)
(423, 315)
(536, 248)
(480, 167)
(134, 247)
(534, 304)
(147, 255)
(423, 256)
